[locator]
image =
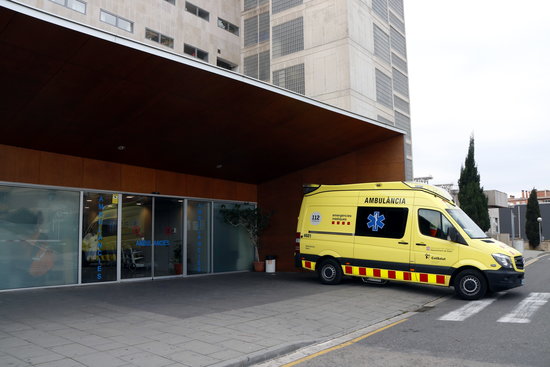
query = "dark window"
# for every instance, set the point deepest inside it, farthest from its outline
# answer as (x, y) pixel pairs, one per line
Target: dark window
(193, 9)
(195, 52)
(225, 64)
(381, 222)
(432, 223)
(230, 27)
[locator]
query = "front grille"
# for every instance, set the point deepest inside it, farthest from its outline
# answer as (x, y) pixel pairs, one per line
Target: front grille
(519, 262)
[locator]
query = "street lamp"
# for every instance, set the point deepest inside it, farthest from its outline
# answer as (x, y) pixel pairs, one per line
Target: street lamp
(539, 219)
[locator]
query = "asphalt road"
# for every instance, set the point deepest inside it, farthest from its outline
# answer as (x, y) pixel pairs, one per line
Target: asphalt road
(510, 328)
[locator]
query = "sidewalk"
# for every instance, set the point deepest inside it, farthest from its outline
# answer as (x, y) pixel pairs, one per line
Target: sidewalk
(219, 320)
(529, 255)
(223, 320)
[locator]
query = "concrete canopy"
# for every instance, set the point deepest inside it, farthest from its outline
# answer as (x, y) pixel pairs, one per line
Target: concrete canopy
(75, 90)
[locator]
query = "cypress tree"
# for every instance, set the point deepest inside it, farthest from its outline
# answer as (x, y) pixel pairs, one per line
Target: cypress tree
(470, 194)
(531, 223)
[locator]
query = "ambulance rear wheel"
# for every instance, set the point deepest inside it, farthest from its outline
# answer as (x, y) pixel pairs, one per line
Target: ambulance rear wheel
(330, 272)
(470, 284)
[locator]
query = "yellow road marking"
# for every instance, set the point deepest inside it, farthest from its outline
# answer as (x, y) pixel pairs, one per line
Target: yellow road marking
(336, 347)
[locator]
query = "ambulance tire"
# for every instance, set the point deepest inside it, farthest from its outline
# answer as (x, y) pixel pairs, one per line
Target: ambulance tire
(330, 272)
(470, 284)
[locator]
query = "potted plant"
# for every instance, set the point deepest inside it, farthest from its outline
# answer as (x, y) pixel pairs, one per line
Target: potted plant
(253, 220)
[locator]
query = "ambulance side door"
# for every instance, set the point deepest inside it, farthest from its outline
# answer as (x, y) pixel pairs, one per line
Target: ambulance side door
(432, 252)
(382, 237)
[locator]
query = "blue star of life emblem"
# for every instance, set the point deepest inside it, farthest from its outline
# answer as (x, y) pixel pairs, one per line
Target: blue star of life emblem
(376, 221)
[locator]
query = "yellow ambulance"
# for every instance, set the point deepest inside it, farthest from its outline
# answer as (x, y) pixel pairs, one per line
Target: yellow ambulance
(400, 231)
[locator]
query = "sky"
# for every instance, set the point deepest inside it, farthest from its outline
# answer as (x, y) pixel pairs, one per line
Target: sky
(480, 67)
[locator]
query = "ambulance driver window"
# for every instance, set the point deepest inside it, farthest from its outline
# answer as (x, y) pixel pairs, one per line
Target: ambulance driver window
(381, 222)
(432, 223)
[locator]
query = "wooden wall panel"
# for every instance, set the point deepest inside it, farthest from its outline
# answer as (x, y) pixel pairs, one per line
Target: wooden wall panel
(379, 162)
(171, 183)
(60, 170)
(137, 179)
(199, 187)
(44, 168)
(101, 175)
(19, 164)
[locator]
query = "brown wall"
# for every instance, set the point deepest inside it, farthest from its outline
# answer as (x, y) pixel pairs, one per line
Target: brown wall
(383, 161)
(43, 168)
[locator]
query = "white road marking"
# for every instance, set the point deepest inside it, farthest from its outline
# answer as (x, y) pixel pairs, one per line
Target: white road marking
(526, 308)
(469, 309)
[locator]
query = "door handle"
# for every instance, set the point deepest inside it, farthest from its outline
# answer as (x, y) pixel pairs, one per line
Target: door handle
(403, 243)
(420, 244)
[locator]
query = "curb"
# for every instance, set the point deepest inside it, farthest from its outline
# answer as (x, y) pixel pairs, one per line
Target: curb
(264, 355)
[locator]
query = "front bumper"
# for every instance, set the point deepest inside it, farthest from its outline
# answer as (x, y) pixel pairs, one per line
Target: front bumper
(500, 280)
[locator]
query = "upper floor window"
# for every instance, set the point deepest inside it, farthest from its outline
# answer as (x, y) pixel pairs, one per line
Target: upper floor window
(159, 38)
(226, 64)
(251, 4)
(76, 5)
(230, 27)
(256, 29)
(116, 21)
(173, 2)
(281, 5)
(193, 9)
(288, 37)
(195, 52)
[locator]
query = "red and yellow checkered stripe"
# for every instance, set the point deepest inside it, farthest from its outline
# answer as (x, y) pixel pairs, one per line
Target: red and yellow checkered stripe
(406, 276)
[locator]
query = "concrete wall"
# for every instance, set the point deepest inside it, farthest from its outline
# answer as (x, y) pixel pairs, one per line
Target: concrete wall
(161, 16)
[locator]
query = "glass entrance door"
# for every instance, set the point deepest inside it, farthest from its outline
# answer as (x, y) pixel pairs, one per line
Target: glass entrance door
(199, 259)
(99, 237)
(168, 242)
(136, 237)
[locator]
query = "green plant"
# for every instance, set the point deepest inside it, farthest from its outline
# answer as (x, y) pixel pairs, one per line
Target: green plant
(252, 219)
(531, 215)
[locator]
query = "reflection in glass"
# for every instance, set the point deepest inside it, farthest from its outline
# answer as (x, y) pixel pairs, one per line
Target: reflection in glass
(198, 237)
(99, 237)
(38, 237)
(136, 236)
(232, 248)
(168, 236)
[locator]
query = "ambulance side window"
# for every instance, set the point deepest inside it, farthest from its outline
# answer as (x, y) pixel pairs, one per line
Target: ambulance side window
(432, 223)
(381, 222)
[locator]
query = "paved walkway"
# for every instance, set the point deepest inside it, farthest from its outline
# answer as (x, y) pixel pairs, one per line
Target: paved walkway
(222, 320)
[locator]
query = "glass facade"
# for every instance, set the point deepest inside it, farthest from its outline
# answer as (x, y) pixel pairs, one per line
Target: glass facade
(232, 249)
(52, 237)
(39, 237)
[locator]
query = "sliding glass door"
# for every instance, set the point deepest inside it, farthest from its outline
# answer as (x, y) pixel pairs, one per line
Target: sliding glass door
(136, 237)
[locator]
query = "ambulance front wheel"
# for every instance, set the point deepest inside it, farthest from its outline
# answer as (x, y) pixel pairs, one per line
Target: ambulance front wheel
(330, 272)
(470, 284)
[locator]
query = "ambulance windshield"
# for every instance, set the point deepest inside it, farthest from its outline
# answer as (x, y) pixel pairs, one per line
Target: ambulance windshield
(467, 224)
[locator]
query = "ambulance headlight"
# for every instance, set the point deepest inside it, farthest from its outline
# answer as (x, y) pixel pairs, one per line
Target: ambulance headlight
(503, 260)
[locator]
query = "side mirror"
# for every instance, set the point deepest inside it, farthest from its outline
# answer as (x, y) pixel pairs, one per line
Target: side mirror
(453, 235)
